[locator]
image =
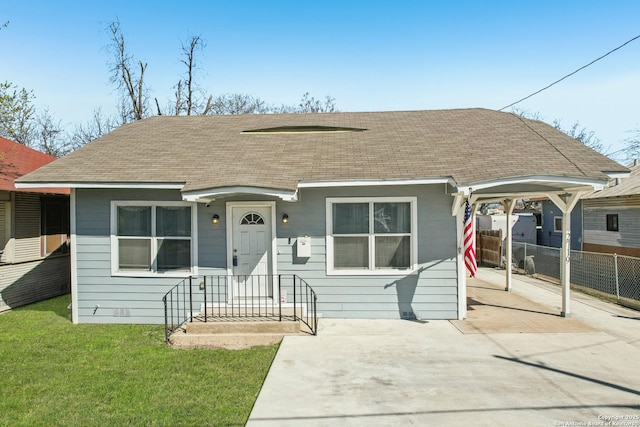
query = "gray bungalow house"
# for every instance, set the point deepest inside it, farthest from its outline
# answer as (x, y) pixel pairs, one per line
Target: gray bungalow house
(367, 208)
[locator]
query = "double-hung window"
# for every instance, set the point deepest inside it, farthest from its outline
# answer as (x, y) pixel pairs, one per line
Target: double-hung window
(371, 235)
(151, 237)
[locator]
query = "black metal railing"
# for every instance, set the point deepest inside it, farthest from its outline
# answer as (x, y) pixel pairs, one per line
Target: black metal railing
(176, 303)
(272, 297)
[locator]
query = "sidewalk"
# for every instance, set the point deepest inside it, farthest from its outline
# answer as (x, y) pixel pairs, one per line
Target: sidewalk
(395, 372)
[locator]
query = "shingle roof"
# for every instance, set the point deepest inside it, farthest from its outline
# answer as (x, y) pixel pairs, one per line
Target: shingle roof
(628, 186)
(17, 160)
(204, 152)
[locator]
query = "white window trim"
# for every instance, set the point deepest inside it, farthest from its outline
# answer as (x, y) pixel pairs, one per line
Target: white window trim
(555, 222)
(372, 272)
(144, 273)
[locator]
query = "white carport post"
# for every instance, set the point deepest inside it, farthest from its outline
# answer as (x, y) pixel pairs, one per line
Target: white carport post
(509, 204)
(565, 203)
(457, 210)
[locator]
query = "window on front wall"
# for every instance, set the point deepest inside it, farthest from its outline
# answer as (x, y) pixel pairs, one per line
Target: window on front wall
(152, 237)
(557, 224)
(370, 235)
(612, 222)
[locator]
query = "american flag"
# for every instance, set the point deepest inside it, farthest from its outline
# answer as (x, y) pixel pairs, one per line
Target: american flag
(469, 250)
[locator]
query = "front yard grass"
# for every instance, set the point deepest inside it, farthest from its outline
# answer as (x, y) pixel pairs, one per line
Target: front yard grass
(55, 373)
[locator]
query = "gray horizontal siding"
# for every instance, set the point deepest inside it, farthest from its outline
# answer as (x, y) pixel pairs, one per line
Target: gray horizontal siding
(595, 226)
(429, 294)
(142, 301)
(28, 282)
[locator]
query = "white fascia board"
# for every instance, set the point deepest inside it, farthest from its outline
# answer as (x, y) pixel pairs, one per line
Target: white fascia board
(209, 195)
(374, 182)
(536, 179)
(616, 175)
(144, 185)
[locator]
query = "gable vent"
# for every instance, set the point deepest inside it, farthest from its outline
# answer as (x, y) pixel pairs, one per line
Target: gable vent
(304, 129)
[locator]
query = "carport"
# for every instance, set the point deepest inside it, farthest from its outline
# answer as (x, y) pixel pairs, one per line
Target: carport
(563, 191)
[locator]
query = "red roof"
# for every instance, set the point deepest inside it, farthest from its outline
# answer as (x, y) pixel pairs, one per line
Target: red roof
(17, 160)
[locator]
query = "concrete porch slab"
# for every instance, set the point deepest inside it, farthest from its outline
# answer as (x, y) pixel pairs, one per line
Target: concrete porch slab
(492, 310)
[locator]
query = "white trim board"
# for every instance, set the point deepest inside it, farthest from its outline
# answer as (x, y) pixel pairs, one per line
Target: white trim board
(374, 182)
(133, 185)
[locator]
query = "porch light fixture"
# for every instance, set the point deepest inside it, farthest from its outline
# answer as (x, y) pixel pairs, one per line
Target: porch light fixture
(285, 218)
(215, 219)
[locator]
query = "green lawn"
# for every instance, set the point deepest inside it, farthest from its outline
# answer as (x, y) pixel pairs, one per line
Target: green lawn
(55, 373)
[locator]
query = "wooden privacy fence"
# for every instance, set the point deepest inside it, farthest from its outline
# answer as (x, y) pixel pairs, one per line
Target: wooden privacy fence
(489, 247)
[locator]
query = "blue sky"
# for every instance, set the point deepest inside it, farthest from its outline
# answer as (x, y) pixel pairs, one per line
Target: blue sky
(369, 56)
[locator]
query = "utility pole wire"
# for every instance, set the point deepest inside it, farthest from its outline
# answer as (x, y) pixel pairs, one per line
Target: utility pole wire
(571, 74)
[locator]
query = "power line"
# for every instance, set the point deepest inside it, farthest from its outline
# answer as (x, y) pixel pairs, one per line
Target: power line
(571, 74)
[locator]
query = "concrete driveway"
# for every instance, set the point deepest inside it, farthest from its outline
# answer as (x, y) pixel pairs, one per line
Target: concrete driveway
(394, 372)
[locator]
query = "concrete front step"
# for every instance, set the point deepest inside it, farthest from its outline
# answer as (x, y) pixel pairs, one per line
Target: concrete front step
(243, 327)
(233, 334)
(226, 341)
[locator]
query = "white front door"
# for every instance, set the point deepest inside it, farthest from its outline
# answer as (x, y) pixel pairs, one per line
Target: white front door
(251, 251)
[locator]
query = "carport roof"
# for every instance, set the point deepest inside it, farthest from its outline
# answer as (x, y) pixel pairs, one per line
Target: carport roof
(465, 147)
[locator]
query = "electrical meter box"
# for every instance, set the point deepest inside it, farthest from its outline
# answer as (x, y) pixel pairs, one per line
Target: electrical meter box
(303, 247)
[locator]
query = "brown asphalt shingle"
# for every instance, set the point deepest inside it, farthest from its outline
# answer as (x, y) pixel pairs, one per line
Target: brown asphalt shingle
(204, 152)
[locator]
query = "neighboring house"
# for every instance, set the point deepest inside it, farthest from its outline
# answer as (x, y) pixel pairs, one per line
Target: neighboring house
(612, 217)
(34, 226)
(379, 197)
(551, 229)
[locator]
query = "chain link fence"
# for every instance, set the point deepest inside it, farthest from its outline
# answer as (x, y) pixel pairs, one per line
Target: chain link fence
(616, 275)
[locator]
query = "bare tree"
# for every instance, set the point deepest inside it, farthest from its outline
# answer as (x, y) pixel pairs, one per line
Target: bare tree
(526, 114)
(50, 135)
(188, 85)
(97, 126)
(129, 81)
(582, 135)
(631, 151)
(308, 104)
(237, 103)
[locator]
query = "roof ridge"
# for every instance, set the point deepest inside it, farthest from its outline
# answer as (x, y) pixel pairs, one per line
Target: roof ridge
(523, 120)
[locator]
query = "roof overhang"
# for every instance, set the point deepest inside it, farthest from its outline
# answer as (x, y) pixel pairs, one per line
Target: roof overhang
(374, 182)
(209, 195)
(615, 175)
(70, 184)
